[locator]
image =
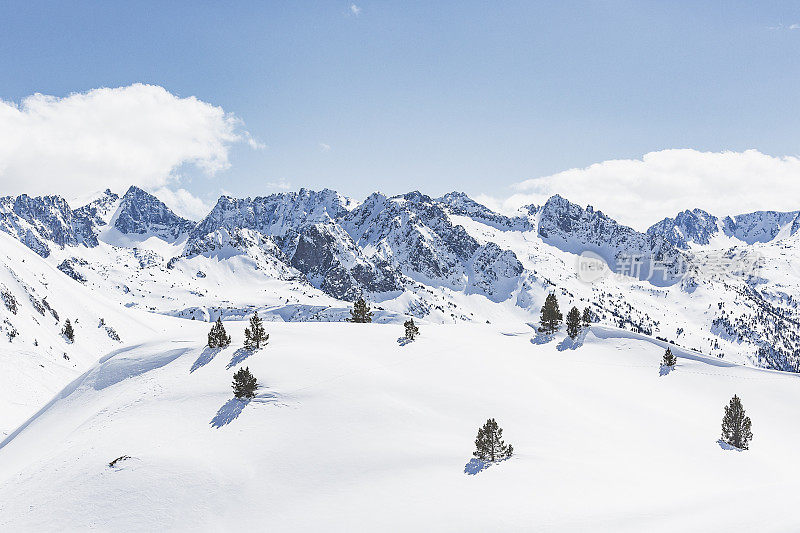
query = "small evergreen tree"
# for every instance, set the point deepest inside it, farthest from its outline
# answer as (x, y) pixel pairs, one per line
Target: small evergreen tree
(255, 335)
(411, 329)
(573, 322)
(586, 318)
(489, 445)
(244, 384)
(735, 425)
(68, 332)
(551, 315)
(669, 359)
(360, 312)
(218, 337)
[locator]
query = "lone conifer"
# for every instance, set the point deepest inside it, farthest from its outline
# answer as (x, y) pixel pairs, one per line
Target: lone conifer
(489, 445)
(255, 335)
(218, 337)
(573, 322)
(669, 359)
(360, 312)
(244, 384)
(68, 332)
(586, 318)
(411, 329)
(551, 315)
(735, 425)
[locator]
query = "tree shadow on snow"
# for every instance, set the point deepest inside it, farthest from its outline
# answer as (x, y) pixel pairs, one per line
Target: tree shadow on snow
(541, 338)
(239, 356)
(571, 344)
(228, 412)
(665, 370)
(476, 466)
(234, 407)
(725, 446)
(205, 357)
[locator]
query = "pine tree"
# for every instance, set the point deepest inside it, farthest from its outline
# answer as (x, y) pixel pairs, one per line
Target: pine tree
(551, 315)
(218, 337)
(586, 318)
(489, 445)
(68, 332)
(255, 335)
(411, 329)
(244, 384)
(360, 312)
(573, 322)
(669, 359)
(735, 425)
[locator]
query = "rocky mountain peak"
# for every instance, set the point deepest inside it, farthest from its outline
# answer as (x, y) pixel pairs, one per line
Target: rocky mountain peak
(142, 213)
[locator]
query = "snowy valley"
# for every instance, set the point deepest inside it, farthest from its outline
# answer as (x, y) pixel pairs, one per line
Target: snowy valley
(350, 415)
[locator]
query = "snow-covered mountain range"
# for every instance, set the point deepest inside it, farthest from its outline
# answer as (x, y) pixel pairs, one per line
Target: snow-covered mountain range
(724, 286)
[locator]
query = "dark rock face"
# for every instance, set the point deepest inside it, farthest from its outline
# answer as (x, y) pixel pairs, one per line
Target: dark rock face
(695, 226)
(323, 251)
(575, 229)
(45, 221)
(760, 226)
(142, 213)
(378, 247)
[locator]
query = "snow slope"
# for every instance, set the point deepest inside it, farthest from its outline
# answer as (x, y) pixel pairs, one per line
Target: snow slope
(353, 431)
(36, 361)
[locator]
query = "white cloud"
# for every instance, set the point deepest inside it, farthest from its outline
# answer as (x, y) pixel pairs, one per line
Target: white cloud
(324, 147)
(355, 10)
(280, 185)
(640, 192)
(183, 203)
(782, 26)
(112, 137)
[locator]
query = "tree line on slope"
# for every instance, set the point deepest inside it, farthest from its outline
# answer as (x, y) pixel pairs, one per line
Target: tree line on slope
(551, 318)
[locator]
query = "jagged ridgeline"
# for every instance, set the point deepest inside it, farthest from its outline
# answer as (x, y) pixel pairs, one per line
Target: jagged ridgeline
(725, 286)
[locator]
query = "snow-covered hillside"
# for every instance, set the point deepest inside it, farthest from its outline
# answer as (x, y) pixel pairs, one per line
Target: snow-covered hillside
(348, 420)
(36, 360)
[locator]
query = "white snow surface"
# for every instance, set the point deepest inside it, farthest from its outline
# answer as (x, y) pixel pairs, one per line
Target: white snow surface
(352, 430)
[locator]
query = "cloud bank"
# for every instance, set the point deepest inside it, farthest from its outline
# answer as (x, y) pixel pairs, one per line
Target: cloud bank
(113, 137)
(640, 192)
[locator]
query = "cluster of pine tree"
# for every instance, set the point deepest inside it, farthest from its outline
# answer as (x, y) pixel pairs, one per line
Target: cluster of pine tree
(551, 317)
(218, 337)
(255, 336)
(411, 329)
(361, 312)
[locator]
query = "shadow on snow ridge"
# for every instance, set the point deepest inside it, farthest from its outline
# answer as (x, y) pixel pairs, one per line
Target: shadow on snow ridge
(234, 407)
(240, 355)
(205, 357)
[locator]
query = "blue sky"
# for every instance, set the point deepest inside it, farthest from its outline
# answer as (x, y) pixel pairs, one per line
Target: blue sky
(434, 96)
